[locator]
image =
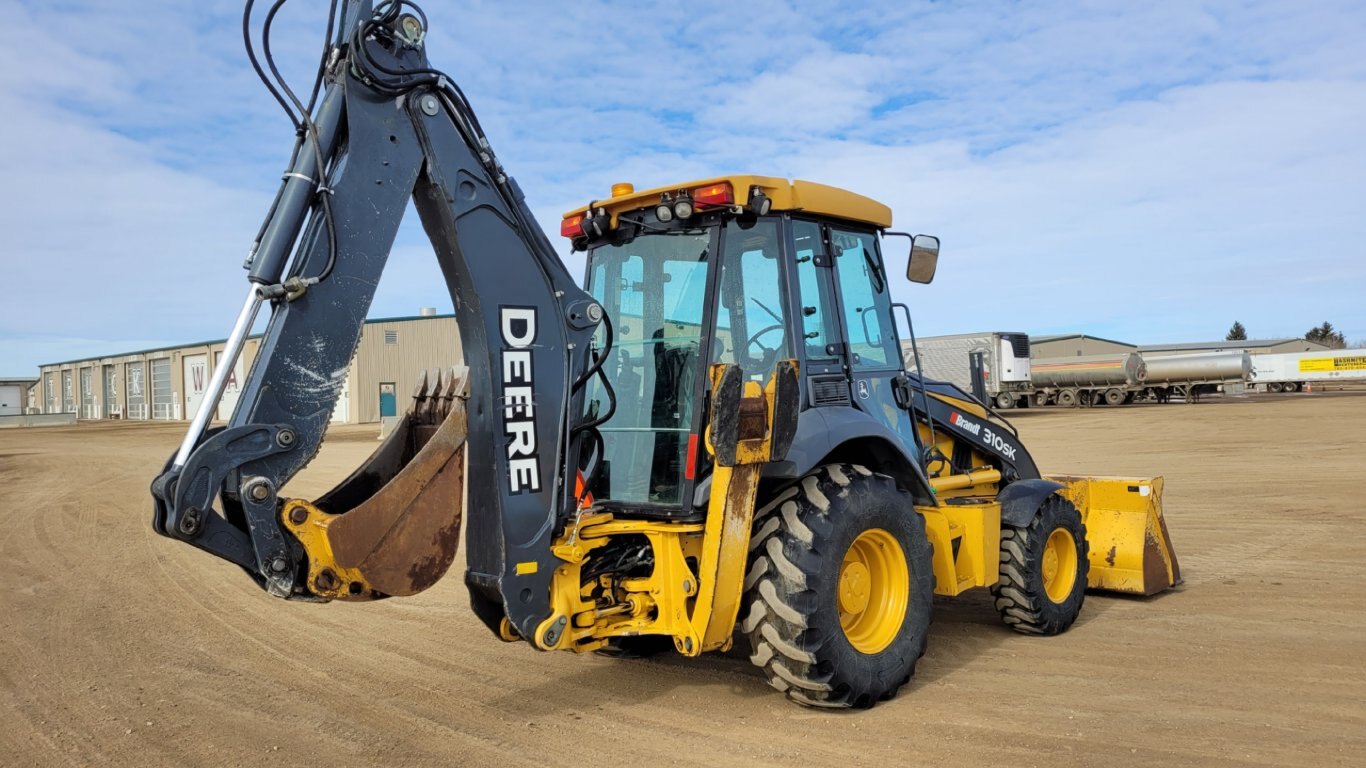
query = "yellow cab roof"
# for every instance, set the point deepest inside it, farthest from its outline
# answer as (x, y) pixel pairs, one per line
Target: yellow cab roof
(804, 196)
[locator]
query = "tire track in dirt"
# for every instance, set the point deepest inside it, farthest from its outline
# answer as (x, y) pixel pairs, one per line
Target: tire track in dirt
(1254, 662)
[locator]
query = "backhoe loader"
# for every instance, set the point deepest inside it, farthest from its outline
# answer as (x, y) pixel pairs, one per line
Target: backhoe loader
(714, 436)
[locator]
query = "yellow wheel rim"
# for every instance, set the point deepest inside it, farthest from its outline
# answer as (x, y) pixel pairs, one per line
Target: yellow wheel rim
(1059, 565)
(874, 589)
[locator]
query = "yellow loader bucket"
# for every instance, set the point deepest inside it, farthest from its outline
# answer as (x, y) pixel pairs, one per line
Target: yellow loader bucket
(1130, 548)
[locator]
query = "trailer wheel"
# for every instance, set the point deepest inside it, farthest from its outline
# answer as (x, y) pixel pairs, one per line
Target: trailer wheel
(1290, 386)
(1086, 398)
(1043, 570)
(1067, 398)
(1114, 397)
(839, 588)
(1041, 399)
(1273, 387)
(1005, 400)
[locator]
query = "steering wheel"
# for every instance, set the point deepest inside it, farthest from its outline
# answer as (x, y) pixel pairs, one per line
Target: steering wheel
(766, 356)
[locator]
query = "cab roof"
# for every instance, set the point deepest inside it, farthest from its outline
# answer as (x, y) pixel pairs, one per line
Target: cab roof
(804, 196)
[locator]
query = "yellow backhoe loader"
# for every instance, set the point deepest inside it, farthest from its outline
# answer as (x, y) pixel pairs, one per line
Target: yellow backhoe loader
(714, 436)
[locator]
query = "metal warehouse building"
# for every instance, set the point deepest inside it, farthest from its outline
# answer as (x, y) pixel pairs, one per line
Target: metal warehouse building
(1076, 344)
(1250, 346)
(169, 383)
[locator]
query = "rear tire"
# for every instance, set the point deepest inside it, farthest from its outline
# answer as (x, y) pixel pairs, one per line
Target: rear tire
(1067, 398)
(1005, 401)
(1043, 571)
(1114, 397)
(839, 588)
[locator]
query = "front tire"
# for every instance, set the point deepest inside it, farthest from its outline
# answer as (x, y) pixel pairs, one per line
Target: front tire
(1042, 582)
(839, 588)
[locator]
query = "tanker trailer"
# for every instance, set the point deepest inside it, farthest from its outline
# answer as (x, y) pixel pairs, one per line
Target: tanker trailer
(1189, 376)
(1087, 379)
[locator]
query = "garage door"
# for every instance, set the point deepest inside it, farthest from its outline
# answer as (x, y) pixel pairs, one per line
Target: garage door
(163, 402)
(88, 408)
(112, 406)
(11, 403)
(232, 388)
(137, 394)
(196, 382)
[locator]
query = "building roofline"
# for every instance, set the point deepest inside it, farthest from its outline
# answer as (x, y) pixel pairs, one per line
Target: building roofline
(1225, 343)
(1061, 336)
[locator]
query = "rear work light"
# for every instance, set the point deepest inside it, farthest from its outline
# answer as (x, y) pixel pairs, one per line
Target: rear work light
(716, 194)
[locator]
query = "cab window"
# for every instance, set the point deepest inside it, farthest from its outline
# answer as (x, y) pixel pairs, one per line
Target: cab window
(865, 300)
(751, 329)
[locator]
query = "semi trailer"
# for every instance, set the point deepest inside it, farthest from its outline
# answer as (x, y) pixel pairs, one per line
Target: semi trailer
(1086, 379)
(1190, 376)
(1291, 371)
(992, 365)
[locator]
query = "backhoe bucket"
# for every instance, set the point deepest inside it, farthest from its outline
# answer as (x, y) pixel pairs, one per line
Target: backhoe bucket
(1126, 533)
(392, 528)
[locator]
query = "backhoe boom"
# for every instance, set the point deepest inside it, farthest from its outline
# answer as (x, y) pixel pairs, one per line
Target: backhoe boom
(400, 134)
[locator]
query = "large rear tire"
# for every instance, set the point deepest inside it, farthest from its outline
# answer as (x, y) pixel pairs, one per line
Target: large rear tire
(1042, 581)
(839, 588)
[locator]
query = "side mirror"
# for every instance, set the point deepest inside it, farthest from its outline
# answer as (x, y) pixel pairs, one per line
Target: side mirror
(924, 258)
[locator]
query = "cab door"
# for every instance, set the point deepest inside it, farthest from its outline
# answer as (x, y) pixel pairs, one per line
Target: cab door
(846, 305)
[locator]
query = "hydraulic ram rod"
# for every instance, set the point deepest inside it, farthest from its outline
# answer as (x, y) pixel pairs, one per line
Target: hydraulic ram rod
(231, 350)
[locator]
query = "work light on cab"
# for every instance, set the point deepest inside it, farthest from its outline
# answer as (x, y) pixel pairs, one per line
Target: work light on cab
(663, 212)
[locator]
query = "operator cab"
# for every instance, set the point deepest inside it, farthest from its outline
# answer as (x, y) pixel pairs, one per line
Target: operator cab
(740, 270)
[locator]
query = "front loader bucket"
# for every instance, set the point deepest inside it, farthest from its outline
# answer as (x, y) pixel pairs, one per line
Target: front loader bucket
(392, 528)
(1127, 536)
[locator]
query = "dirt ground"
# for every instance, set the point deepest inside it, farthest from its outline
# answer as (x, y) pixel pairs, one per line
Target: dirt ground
(120, 647)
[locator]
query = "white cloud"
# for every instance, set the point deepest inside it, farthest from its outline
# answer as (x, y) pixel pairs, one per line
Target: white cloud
(1150, 171)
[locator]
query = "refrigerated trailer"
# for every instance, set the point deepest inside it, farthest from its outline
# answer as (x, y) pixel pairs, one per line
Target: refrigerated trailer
(1289, 372)
(992, 365)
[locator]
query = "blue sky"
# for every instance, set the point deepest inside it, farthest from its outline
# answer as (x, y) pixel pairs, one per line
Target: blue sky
(1142, 171)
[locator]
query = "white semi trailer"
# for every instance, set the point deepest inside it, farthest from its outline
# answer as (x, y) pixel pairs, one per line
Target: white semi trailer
(1290, 371)
(991, 365)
